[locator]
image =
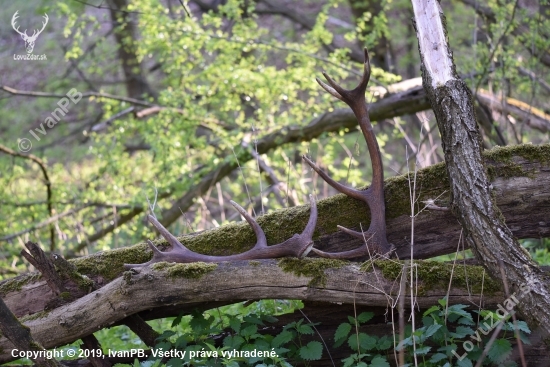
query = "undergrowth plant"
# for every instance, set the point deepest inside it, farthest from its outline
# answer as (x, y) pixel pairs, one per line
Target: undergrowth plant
(207, 341)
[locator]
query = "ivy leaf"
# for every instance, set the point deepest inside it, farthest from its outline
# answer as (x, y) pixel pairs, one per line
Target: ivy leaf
(342, 331)
(364, 317)
(500, 350)
(379, 361)
(312, 351)
(284, 337)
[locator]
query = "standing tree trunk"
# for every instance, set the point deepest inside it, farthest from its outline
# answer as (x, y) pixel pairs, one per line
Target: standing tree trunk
(472, 201)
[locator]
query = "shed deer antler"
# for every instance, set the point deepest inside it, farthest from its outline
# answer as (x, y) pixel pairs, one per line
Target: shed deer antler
(375, 236)
(298, 245)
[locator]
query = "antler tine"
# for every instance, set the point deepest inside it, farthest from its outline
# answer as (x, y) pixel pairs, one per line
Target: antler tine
(152, 246)
(357, 194)
(169, 237)
(374, 195)
(14, 21)
(366, 70)
(298, 245)
(351, 232)
(312, 222)
(329, 89)
(260, 235)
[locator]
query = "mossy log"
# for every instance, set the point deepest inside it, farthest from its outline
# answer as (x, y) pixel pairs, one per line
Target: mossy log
(373, 284)
(520, 177)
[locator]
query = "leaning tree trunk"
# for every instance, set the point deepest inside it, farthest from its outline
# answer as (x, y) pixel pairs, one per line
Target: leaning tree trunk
(472, 199)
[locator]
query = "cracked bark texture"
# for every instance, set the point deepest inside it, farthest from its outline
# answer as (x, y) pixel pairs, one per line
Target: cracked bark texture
(472, 200)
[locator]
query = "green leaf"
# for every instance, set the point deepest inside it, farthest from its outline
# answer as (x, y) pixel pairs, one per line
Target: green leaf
(235, 324)
(422, 351)
(312, 351)
(364, 317)
(166, 334)
(366, 342)
(284, 337)
(430, 310)
(500, 350)
(438, 357)
(431, 330)
(466, 321)
(198, 323)
(233, 341)
(466, 362)
(403, 343)
(269, 318)
(249, 331)
(305, 329)
(177, 320)
(253, 319)
(379, 361)
(173, 362)
(384, 343)
(461, 332)
(342, 331)
(181, 342)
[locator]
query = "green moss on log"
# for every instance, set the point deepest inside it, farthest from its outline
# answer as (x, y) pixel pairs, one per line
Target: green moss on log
(502, 160)
(194, 270)
(311, 268)
(34, 316)
(336, 210)
(109, 264)
(15, 284)
(434, 274)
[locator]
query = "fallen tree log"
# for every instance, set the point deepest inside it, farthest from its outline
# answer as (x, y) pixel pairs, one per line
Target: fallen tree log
(520, 177)
(374, 284)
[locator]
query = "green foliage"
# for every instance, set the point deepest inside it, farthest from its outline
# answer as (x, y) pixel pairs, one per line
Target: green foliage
(436, 343)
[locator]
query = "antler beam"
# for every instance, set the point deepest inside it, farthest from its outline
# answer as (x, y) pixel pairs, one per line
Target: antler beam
(298, 245)
(375, 237)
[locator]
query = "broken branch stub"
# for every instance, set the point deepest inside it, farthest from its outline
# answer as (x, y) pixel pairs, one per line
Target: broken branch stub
(375, 237)
(298, 245)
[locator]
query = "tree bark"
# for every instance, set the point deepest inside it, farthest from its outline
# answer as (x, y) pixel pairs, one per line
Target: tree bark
(472, 196)
(520, 181)
(181, 284)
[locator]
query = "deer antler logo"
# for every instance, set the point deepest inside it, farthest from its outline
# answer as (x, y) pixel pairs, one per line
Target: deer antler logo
(29, 40)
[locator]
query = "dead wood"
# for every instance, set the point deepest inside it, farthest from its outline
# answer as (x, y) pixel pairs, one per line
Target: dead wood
(180, 284)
